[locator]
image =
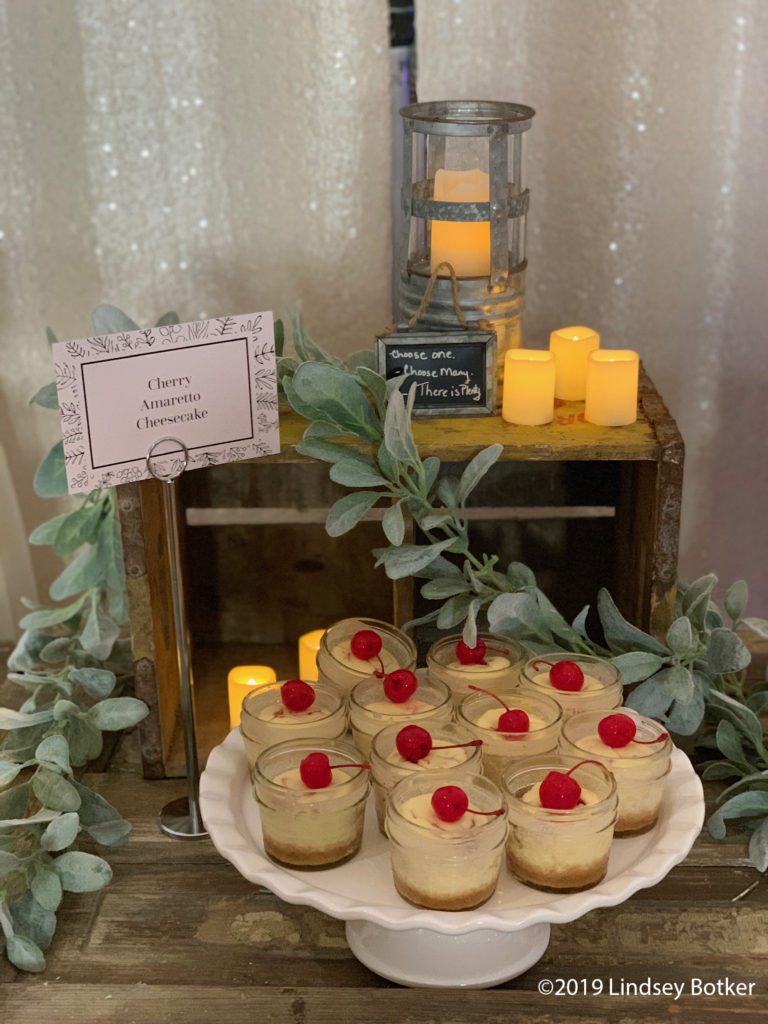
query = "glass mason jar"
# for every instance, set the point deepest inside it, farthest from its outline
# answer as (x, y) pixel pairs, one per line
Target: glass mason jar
(479, 713)
(370, 710)
(602, 689)
(264, 719)
(336, 663)
(388, 767)
(640, 770)
(310, 828)
(559, 850)
(502, 668)
(442, 865)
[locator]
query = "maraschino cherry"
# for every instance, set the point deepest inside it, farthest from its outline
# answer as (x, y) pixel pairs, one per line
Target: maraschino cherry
(400, 685)
(513, 719)
(450, 803)
(467, 655)
(414, 743)
(620, 730)
(563, 675)
(559, 792)
(315, 770)
(365, 645)
(297, 695)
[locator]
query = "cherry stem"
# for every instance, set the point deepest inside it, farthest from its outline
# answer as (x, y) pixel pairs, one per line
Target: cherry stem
(540, 661)
(491, 814)
(349, 766)
(479, 689)
(499, 650)
(659, 739)
(453, 746)
(380, 673)
(580, 764)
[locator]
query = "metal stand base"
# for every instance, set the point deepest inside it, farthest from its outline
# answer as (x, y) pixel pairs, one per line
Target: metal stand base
(180, 821)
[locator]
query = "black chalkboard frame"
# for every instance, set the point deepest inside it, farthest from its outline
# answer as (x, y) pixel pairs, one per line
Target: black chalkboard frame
(447, 339)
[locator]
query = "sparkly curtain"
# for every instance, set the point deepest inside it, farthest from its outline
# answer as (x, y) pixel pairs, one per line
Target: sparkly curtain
(205, 155)
(646, 163)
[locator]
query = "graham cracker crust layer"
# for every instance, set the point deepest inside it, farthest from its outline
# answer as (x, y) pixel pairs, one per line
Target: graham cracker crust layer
(559, 881)
(467, 901)
(296, 857)
(634, 826)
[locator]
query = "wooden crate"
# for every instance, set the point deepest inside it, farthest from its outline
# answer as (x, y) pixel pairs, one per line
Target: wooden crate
(585, 506)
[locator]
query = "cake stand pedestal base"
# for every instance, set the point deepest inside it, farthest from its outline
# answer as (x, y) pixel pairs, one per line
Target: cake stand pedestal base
(422, 958)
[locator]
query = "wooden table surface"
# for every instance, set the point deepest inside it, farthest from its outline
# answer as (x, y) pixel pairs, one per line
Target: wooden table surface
(179, 936)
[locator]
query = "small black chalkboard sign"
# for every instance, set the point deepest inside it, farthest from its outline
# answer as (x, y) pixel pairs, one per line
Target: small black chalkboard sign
(454, 373)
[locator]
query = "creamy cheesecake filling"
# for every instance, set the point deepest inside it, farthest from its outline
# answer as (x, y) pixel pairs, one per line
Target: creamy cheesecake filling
(533, 796)
(594, 745)
(420, 811)
(493, 663)
(291, 779)
(591, 683)
(435, 760)
(412, 706)
(282, 715)
(343, 654)
(490, 720)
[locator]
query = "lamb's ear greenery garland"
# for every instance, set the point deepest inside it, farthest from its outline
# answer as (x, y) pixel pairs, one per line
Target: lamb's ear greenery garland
(691, 680)
(73, 663)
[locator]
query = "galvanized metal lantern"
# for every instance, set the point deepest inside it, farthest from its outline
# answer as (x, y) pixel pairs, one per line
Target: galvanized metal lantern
(464, 203)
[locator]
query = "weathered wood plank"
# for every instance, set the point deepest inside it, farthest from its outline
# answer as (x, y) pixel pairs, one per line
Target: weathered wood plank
(243, 1004)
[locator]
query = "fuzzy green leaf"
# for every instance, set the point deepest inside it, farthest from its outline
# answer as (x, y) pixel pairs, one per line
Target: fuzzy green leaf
(743, 805)
(46, 887)
(83, 572)
(54, 750)
(680, 636)
(695, 600)
(736, 597)
(97, 682)
(519, 575)
(476, 469)
(398, 436)
(620, 635)
(347, 512)
(51, 476)
(99, 632)
(454, 611)
(336, 397)
(327, 451)
(100, 819)
(445, 586)
(110, 554)
(729, 743)
(651, 698)
(57, 650)
(46, 397)
(108, 319)
(171, 317)
(685, 719)
(374, 382)
(680, 682)
(61, 832)
(24, 954)
(635, 666)
(11, 720)
(351, 473)
(758, 846)
(726, 652)
(393, 524)
(33, 921)
(408, 559)
(85, 740)
(116, 713)
(759, 626)
(79, 527)
(82, 872)
(54, 792)
(45, 617)
(431, 471)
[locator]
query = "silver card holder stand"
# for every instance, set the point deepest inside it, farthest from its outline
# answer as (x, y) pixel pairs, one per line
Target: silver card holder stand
(181, 818)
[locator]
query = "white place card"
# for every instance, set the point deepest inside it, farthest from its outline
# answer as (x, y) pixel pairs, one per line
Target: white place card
(210, 383)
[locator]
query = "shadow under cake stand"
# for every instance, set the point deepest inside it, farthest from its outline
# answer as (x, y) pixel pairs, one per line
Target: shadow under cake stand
(473, 949)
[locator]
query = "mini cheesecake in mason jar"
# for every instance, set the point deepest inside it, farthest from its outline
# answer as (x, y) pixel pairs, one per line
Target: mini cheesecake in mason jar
(446, 839)
(512, 725)
(494, 662)
(636, 750)
(578, 682)
(311, 796)
(562, 813)
(291, 710)
(356, 649)
(402, 750)
(398, 697)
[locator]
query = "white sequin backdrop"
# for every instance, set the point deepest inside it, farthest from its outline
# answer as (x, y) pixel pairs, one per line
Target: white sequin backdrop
(647, 163)
(207, 155)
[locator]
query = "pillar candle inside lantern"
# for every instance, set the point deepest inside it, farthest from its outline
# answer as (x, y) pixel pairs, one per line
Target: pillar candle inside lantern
(571, 347)
(240, 680)
(309, 645)
(466, 245)
(612, 377)
(529, 387)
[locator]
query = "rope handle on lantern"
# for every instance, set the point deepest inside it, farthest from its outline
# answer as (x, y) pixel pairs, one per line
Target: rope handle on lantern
(428, 295)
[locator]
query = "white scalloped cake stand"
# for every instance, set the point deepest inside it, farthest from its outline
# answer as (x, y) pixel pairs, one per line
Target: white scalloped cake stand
(476, 948)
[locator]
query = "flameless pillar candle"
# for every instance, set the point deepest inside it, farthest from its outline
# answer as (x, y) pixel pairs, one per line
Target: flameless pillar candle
(240, 680)
(529, 387)
(612, 388)
(309, 645)
(466, 245)
(571, 347)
